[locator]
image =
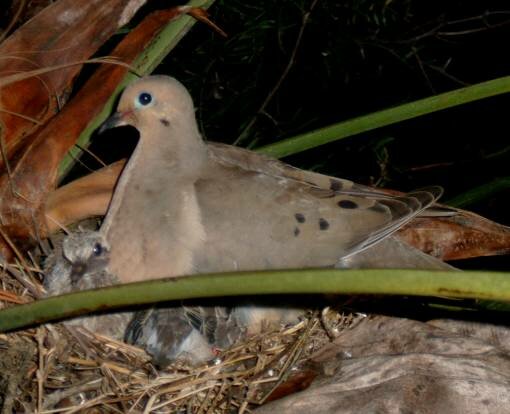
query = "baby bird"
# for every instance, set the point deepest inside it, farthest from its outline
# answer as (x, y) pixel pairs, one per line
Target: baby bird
(186, 333)
(169, 333)
(80, 265)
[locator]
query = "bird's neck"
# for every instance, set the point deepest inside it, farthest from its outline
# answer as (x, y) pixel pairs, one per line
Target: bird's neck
(155, 202)
(164, 158)
(177, 148)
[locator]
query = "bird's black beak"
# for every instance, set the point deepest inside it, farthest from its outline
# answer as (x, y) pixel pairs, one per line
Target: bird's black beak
(117, 119)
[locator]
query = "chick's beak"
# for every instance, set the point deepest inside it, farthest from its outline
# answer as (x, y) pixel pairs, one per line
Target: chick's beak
(78, 269)
(117, 119)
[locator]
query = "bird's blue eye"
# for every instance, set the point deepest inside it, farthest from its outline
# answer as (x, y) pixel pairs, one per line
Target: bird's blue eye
(144, 99)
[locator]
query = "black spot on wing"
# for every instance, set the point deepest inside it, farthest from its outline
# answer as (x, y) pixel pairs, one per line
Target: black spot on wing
(300, 218)
(165, 122)
(296, 232)
(347, 204)
(323, 224)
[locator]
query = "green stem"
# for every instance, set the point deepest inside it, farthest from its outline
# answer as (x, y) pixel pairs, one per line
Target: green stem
(387, 117)
(479, 193)
(482, 285)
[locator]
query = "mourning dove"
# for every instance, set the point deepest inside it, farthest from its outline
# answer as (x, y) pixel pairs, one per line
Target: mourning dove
(180, 208)
(183, 207)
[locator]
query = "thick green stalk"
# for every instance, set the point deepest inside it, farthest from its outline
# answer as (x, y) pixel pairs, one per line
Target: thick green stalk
(482, 285)
(387, 117)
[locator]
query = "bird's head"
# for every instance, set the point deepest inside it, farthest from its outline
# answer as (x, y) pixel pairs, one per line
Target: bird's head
(87, 252)
(162, 110)
(153, 102)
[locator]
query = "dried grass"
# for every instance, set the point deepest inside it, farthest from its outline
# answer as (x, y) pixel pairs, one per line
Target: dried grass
(51, 369)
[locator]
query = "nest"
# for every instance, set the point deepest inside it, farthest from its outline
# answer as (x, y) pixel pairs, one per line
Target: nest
(53, 369)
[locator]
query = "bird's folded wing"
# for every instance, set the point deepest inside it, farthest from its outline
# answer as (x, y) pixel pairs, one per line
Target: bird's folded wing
(305, 218)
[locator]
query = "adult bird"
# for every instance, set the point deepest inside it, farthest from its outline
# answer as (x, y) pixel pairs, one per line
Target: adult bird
(182, 207)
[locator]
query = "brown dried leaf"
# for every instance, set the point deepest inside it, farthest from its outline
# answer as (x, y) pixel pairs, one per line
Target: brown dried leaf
(67, 31)
(83, 198)
(35, 174)
(462, 236)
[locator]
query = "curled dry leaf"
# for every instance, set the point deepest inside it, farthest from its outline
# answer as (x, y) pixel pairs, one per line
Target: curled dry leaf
(86, 197)
(462, 236)
(62, 33)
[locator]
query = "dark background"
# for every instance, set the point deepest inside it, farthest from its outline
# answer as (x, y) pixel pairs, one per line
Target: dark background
(357, 57)
(354, 57)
